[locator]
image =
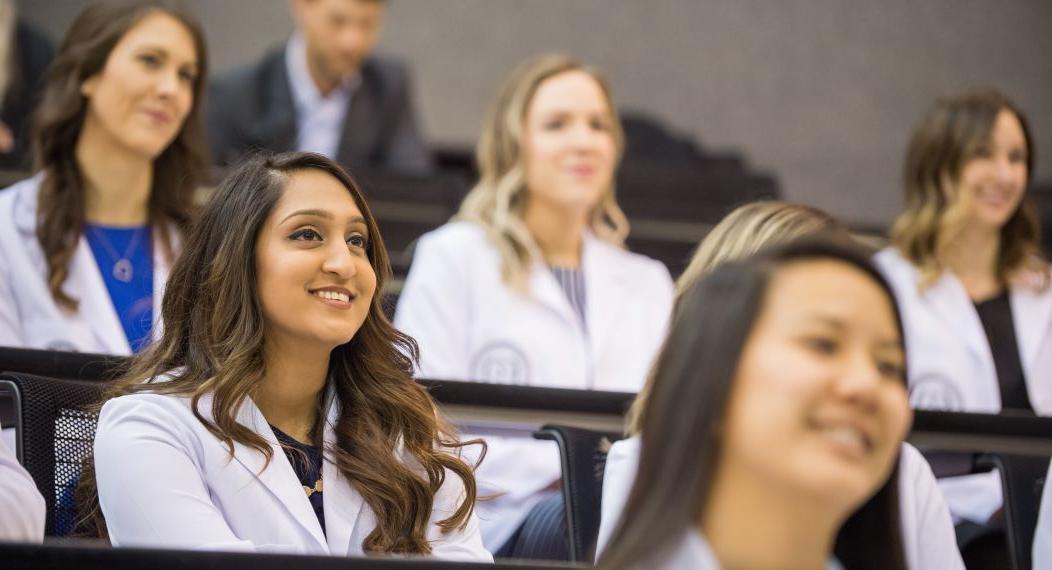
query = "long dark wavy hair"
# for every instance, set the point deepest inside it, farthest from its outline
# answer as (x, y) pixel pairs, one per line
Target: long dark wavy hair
(57, 122)
(693, 380)
(213, 344)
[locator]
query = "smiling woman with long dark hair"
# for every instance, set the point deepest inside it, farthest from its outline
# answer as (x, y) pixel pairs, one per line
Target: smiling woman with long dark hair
(278, 411)
(776, 413)
(86, 243)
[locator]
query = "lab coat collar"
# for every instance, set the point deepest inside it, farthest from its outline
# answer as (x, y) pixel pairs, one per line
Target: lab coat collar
(604, 281)
(342, 504)
(1031, 314)
(951, 303)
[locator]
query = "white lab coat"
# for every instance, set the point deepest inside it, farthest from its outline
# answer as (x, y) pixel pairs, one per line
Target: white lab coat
(1043, 533)
(928, 536)
(165, 481)
(29, 316)
(22, 509)
(471, 326)
(951, 367)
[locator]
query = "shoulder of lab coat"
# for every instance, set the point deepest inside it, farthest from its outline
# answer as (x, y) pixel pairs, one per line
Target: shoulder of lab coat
(22, 508)
(157, 439)
(1043, 533)
(435, 306)
(928, 537)
(25, 297)
(927, 530)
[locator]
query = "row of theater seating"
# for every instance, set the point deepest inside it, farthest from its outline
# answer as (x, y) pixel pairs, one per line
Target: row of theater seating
(44, 394)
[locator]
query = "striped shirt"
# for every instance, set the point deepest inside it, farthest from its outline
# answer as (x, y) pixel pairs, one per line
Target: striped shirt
(571, 279)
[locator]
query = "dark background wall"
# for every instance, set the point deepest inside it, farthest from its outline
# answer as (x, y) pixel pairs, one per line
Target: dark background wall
(822, 93)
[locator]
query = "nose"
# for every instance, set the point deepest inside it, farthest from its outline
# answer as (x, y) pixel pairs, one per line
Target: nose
(860, 380)
(168, 83)
(338, 261)
(1008, 171)
(583, 137)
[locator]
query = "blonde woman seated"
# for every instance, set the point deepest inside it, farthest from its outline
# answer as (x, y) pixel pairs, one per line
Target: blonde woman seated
(531, 284)
(774, 423)
(965, 264)
(278, 412)
(927, 531)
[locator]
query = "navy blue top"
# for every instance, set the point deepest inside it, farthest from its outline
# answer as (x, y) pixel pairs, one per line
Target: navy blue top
(306, 462)
(132, 300)
(996, 316)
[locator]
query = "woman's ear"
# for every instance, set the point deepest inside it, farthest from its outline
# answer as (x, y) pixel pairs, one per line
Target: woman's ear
(87, 87)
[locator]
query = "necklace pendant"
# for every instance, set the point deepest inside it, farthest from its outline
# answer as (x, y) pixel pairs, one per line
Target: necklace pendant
(122, 270)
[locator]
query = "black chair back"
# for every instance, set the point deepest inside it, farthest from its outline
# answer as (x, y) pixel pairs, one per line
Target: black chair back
(1022, 482)
(55, 432)
(583, 456)
(60, 364)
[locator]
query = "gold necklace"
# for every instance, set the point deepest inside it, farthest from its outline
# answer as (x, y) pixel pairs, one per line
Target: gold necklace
(317, 488)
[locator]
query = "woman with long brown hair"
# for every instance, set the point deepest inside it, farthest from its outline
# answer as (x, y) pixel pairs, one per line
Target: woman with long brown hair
(278, 411)
(86, 243)
(974, 290)
(772, 432)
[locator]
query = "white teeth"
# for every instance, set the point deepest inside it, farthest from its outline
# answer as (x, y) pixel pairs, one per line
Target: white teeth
(334, 296)
(846, 435)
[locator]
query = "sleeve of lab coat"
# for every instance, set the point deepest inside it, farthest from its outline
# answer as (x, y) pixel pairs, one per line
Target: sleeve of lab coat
(151, 490)
(928, 534)
(622, 462)
(459, 544)
(22, 509)
(434, 309)
(10, 327)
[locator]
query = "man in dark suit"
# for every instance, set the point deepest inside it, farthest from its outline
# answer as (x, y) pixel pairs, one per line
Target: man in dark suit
(323, 91)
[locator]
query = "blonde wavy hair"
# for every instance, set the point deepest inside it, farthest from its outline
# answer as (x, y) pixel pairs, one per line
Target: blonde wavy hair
(497, 201)
(743, 232)
(954, 132)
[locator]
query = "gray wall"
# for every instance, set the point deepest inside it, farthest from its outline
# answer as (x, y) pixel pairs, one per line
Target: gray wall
(820, 92)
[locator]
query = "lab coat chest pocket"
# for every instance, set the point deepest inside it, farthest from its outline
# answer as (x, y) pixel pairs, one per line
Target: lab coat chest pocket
(67, 335)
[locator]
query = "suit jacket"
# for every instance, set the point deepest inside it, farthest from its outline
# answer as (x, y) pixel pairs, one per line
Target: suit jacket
(165, 480)
(252, 108)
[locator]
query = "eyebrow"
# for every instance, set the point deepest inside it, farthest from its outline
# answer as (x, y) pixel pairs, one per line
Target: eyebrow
(163, 50)
(324, 214)
(839, 325)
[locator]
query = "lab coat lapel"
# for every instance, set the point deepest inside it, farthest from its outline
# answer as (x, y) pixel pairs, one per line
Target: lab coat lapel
(343, 504)
(546, 290)
(161, 269)
(278, 477)
(605, 289)
(1031, 313)
(951, 303)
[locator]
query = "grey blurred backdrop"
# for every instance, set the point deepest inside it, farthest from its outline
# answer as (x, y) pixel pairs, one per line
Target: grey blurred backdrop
(821, 93)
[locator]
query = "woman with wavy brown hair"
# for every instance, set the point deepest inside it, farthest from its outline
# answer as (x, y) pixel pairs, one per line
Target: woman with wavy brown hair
(965, 265)
(277, 412)
(86, 243)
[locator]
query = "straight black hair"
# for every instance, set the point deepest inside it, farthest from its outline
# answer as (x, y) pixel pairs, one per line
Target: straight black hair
(694, 376)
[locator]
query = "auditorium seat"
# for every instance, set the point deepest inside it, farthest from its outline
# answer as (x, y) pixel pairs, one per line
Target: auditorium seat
(1022, 482)
(582, 453)
(55, 432)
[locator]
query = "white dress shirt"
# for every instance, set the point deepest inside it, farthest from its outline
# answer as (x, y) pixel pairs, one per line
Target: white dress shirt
(319, 118)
